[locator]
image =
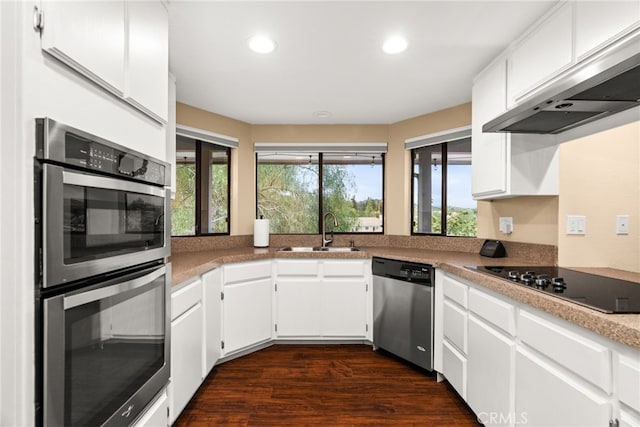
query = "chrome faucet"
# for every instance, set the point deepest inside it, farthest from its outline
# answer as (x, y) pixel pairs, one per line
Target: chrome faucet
(326, 241)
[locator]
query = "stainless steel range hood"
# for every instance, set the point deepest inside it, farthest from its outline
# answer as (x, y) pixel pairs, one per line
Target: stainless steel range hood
(604, 85)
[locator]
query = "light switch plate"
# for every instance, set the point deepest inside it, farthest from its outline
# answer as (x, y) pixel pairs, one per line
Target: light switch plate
(622, 224)
(576, 224)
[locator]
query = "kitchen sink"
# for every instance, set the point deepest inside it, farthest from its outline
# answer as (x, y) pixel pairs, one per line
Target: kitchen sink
(318, 249)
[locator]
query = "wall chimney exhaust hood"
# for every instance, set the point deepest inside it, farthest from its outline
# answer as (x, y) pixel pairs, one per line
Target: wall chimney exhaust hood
(601, 86)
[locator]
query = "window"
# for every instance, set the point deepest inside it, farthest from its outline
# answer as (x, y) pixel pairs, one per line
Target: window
(201, 204)
(294, 190)
(441, 189)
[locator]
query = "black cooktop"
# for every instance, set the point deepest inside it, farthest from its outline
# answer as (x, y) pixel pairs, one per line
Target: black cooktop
(601, 293)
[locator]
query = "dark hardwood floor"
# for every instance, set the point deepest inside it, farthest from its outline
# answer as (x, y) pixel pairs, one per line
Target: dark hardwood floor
(329, 385)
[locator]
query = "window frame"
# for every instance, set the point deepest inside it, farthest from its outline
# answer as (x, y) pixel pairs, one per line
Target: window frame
(444, 147)
(199, 186)
(321, 212)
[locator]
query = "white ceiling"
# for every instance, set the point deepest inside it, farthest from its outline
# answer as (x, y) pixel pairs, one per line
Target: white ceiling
(329, 56)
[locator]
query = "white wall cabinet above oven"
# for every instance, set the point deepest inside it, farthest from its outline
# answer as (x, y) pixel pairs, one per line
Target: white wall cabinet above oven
(122, 46)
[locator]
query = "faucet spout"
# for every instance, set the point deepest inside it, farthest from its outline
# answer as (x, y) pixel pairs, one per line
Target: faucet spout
(326, 241)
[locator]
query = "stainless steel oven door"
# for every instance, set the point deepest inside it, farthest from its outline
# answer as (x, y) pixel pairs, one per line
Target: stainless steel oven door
(94, 224)
(106, 350)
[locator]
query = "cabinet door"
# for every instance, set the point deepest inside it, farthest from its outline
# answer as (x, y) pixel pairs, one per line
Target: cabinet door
(489, 150)
(344, 308)
(148, 57)
(298, 307)
(548, 396)
(454, 368)
(490, 360)
(600, 22)
(545, 52)
(246, 314)
(212, 289)
(186, 358)
(156, 415)
(89, 37)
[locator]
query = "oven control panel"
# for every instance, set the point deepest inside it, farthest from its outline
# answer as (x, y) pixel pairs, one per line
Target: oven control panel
(99, 157)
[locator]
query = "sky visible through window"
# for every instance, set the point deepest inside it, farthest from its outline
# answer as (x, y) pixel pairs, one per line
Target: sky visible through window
(458, 188)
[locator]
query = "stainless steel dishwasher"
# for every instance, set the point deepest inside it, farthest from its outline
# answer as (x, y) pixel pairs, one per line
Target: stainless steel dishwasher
(403, 310)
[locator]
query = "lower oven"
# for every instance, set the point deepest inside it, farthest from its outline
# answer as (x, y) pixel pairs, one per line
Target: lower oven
(105, 349)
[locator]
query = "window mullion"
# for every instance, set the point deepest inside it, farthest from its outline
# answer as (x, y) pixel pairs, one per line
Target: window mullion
(443, 210)
(198, 203)
(320, 193)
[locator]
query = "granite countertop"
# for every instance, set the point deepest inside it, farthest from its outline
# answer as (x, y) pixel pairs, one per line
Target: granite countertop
(624, 328)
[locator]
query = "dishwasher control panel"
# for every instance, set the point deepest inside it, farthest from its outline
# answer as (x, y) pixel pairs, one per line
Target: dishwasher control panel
(407, 271)
(415, 272)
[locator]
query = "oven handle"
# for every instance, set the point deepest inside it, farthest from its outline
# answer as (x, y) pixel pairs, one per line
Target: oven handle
(119, 288)
(85, 180)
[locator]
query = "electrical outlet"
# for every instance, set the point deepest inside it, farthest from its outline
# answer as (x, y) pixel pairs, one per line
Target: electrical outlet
(576, 224)
(506, 224)
(622, 224)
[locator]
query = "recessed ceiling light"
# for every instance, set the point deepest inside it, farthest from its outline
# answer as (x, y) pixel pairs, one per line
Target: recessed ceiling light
(395, 44)
(261, 44)
(322, 114)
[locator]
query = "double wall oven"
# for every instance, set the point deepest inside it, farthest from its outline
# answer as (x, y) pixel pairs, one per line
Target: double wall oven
(102, 226)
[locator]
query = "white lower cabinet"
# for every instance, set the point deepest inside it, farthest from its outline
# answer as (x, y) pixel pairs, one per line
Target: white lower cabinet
(298, 308)
(454, 368)
(247, 316)
(343, 308)
(490, 361)
(186, 346)
(156, 415)
(515, 365)
(212, 302)
(318, 299)
(548, 396)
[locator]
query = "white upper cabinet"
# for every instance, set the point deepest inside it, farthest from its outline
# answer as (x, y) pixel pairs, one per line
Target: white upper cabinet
(89, 37)
(123, 46)
(489, 152)
(148, 57)
(546, 51)
(507, 165)
(600, 22)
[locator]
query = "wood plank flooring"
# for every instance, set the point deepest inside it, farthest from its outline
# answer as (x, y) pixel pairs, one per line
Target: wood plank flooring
(329, 385)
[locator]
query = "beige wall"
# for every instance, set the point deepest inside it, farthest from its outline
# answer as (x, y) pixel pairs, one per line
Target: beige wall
(600, 178)
(535, 219)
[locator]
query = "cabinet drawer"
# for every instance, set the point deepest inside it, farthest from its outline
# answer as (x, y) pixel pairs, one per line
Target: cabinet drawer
(575, 352)
(455, 291)
(454, 368)
(296, 267)
(185, 298)
(629, 381)
(493, 310)
(455, 325)
(343, 268)
(246, 271)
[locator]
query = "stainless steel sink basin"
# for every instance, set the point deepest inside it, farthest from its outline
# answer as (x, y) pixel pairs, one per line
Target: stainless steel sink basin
(318, 249)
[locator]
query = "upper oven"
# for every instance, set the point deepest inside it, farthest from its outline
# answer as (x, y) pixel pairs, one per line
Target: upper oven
(100, 207)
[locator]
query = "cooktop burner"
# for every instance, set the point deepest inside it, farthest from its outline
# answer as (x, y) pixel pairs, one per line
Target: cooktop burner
(601, 293)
